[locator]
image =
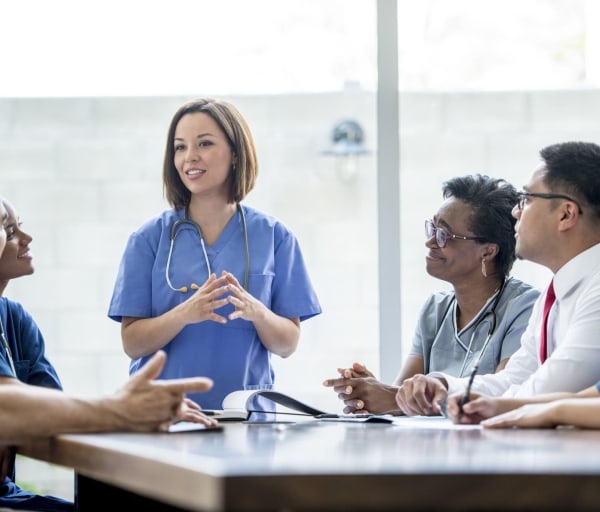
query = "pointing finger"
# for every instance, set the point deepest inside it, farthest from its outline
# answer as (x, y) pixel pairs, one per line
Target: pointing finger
(187, 385)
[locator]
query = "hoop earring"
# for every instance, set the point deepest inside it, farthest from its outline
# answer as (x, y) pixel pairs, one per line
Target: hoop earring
(483, 269)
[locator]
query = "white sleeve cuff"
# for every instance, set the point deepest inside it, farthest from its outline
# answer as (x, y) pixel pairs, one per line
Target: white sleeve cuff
(455, 384)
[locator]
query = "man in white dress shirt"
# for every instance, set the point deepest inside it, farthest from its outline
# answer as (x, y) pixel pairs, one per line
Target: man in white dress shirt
(558, 226)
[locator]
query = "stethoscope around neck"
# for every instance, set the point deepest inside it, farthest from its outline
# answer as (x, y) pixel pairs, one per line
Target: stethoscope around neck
(491, 329)
(186, 221)
(9, 355)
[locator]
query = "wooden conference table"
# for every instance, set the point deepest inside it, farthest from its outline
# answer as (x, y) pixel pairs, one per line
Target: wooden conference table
(415, 464)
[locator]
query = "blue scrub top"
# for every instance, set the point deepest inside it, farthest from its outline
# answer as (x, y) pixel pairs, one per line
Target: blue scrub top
(28, 351)
(27, 347)
(231, 354)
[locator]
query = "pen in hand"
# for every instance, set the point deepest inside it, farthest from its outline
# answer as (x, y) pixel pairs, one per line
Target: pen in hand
(465, 398)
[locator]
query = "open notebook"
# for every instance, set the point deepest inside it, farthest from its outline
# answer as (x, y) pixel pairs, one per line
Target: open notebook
(256, 405)
(261, 406)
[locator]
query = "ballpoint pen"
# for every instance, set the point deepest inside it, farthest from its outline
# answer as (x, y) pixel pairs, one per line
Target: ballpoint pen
(465, 398)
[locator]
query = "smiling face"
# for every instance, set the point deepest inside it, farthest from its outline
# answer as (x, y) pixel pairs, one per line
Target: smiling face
(459, 259)
(16, 259)
(202, 156)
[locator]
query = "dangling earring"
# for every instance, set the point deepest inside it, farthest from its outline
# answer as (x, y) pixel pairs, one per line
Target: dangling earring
(483, 269)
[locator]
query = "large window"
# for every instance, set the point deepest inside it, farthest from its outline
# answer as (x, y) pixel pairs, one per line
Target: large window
(180, 47)
(185, 47)
(88, 88)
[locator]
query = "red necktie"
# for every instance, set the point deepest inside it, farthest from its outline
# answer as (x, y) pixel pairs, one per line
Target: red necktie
(550, 298)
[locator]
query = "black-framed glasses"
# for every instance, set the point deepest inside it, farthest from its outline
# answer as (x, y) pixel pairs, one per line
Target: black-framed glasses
(521, 196)
(442, 236)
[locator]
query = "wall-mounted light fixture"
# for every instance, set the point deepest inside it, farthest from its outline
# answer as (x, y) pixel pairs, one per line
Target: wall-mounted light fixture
(347, 146)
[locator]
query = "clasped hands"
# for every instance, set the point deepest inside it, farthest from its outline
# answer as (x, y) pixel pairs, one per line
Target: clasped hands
(423, 395)
(215, 293)
(362, 393)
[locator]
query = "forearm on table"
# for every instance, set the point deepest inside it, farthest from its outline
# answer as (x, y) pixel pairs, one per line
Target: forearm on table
(388, 404)
(579, 412)
(508, 404)
(28, 412)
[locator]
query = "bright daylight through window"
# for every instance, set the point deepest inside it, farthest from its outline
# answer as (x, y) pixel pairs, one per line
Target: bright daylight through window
(109, 48)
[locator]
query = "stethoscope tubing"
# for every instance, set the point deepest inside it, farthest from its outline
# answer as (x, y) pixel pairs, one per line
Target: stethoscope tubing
(9, 355)
(186, 220)
(492, 328)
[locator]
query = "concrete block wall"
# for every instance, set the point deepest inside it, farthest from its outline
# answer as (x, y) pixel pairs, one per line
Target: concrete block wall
(85, 172)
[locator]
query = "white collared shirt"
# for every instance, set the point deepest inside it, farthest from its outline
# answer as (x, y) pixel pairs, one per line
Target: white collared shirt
(573, 360)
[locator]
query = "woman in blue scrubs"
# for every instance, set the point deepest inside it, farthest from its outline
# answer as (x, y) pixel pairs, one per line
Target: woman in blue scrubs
(218, 285)
(23, 357)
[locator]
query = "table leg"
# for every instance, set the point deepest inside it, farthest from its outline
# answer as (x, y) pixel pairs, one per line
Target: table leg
(92, 495)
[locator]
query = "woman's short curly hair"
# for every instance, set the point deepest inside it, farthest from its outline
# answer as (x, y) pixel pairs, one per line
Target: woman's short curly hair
(492, 200)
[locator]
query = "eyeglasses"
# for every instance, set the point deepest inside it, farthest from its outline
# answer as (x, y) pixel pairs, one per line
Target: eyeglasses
(521, 196)
(442, 236)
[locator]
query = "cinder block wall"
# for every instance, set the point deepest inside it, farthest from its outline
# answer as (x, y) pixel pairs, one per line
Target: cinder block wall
(83, 173)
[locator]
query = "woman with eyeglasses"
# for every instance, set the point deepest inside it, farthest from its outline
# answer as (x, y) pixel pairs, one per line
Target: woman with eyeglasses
(476, 325)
